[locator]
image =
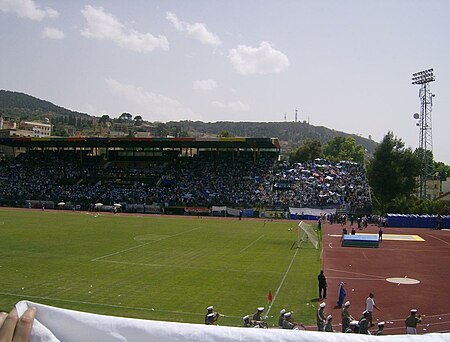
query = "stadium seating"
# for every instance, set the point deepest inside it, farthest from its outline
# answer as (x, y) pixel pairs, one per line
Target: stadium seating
(239, 182)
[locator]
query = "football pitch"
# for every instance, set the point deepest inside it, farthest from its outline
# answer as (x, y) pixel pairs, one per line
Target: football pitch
(153, 267)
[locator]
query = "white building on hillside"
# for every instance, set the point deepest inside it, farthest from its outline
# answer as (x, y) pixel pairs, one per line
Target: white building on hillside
(39, 129)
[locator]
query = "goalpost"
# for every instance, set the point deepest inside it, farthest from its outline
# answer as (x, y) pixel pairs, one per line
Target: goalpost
(307, 232)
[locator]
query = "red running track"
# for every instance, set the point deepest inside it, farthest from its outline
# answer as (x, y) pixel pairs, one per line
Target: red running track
(365, 270)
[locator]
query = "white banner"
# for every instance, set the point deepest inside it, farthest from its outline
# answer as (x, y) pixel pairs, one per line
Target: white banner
(311, 211)
(55, 324)
(233, 212)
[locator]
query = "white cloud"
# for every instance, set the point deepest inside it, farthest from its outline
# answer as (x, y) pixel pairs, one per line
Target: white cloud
(151, 105)
(104, 26)
(197, 30)
(205, 85)
(236, 106)
(52, 33)
(248, 60)
(27, 9)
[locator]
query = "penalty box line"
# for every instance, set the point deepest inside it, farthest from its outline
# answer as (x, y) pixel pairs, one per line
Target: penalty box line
(251, 244)
(187, 267)
(142, 245)
(282, 282)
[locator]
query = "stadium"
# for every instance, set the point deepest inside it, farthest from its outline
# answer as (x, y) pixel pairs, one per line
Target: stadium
(161, 228)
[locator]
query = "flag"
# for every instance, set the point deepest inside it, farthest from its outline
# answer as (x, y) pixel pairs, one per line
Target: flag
(269, 297)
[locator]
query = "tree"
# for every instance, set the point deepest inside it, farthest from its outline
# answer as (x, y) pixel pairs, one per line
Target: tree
(225, 134)
(344, 148)
(309, 150)
(442, 170)
(138, 120)
(125, 117)
(392, 173)
(105, 118)
(426, 159)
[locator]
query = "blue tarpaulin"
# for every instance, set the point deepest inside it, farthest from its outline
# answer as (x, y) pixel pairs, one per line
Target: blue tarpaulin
(247, 212)
(416, 221)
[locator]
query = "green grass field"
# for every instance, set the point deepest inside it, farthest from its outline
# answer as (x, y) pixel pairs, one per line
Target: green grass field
(161, 268)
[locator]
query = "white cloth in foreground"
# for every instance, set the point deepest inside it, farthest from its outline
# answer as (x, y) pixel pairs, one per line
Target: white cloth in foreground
(55, 324)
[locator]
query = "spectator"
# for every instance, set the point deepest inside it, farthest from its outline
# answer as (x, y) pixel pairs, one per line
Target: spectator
(411, 322)
(328, 325)
(289, 323)
(353, 328)
(257, 316)
(320, 316)
(342, 294)
(281, 318)
(380, 329)
(322, 285)
(346, 317)
(370, 305)
(364, 323)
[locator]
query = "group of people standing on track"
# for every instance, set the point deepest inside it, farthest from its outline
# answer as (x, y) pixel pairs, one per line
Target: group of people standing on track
(349, 324)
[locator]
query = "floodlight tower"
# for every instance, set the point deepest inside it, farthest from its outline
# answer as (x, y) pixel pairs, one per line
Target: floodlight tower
(423, 78)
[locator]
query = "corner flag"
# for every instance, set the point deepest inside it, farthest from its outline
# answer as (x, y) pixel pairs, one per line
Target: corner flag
(269, 297)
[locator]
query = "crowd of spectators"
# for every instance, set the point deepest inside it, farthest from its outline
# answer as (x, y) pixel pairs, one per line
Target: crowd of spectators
(225, 181)
(315, 184)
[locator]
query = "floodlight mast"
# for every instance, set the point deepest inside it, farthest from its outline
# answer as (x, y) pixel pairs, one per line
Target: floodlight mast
(423, 78)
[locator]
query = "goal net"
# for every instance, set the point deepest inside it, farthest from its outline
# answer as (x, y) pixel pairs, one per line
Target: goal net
(307, 232)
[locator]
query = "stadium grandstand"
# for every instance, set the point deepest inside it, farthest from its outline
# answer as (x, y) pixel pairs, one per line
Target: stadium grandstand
(234, 176)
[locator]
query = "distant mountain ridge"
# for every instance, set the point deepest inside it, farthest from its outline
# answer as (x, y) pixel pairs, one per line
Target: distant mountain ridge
(290, 134)
(14, 103)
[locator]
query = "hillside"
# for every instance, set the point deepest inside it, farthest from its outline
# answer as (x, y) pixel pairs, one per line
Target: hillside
(14, 104)
(291, 134)
(67, 122)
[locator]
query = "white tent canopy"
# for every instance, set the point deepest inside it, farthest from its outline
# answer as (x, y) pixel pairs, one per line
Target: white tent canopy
(55, 324)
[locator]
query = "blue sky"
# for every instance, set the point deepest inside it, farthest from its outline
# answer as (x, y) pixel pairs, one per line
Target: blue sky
(346, 65)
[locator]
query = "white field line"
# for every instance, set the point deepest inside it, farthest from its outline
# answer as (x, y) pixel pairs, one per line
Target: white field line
(448, 243)
(251, 244)
(365, 256)
(122, 251)
(282, 281)
(357, 273)
(186, 267)
(421, 327)
(141, 245)
(23, 296)
(370, 279)
(424, 317)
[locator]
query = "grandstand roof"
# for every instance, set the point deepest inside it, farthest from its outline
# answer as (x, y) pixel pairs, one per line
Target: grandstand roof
(61, 142)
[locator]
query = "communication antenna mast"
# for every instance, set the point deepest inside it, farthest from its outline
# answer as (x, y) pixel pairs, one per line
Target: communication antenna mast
(423, 78)
(284, 116)
(296, 113)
